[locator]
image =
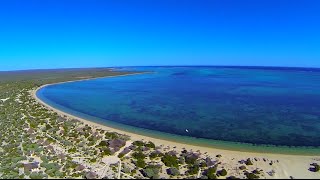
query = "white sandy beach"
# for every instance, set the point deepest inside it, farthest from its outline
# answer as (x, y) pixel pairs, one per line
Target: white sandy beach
(289, 165)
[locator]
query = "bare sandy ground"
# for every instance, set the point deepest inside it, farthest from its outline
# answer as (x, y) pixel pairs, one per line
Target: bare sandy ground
(289, 165)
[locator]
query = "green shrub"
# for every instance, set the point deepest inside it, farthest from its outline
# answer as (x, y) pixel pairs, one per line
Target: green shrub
(203, 164)
(251, 175)
(232, 177)
(72, 150)
(211, 172)
(150, 145)
(138, 143)
(223, 172)
(58, 174)
(170, 160)
(121, 155)
(316, 167)
(182, 160)
(106, 152)
(33, 125)
(91, 143)
(249, 162)
(91, 138)
(138, 155)
(110, 135)
(48, 127)
(153, 155)
(173, 171)
(151, 172)
(190, 159)
(103, 143)
(140, 163)
(193, 169)
(35, 175)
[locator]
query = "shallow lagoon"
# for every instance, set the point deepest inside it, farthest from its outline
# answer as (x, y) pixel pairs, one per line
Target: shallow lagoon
(262, 106)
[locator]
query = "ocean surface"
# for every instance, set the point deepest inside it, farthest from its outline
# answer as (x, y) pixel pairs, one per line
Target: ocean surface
(248, 107)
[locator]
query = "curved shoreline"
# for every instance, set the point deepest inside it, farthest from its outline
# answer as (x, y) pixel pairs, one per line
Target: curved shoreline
(293, 165)
(135, 136)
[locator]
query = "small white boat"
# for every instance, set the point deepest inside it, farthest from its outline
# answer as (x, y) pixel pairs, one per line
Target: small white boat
(187, 130)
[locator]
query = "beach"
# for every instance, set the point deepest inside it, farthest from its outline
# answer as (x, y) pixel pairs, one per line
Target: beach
(289, 165)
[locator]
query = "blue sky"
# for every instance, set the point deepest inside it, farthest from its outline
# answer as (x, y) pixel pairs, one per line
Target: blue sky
(98, 33)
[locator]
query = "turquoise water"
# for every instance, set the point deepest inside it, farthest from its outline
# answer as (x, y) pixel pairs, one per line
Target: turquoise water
(241, 107)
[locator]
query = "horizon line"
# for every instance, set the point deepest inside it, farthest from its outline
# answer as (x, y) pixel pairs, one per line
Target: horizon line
(110, 67)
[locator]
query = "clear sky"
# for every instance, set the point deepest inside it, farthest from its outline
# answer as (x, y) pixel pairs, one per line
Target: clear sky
(96, 33)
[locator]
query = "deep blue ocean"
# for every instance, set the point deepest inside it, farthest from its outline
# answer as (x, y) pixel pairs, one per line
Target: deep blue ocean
(256, 105)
